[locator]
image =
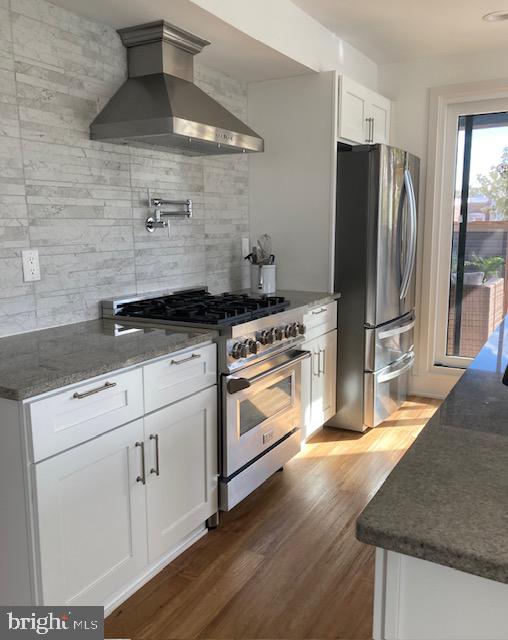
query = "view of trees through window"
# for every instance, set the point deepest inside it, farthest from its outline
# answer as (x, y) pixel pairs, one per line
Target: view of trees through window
(478, 298)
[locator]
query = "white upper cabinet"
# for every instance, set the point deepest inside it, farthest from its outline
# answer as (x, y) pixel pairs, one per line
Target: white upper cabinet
(352, 111)
(379, 112)
(363, 115)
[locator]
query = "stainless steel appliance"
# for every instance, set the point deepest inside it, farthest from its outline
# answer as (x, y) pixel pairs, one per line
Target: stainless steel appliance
(159, 104)
(259, 363)
(375, 249)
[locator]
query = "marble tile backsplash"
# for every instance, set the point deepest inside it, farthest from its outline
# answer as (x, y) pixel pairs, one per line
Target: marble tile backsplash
(82, 204)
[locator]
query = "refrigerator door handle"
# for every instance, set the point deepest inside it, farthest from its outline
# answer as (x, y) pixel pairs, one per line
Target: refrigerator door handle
(395, 332)
(410, 262)
(397, 369)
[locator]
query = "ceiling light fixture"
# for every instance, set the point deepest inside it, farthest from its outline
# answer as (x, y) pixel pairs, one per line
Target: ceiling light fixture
(496, 16)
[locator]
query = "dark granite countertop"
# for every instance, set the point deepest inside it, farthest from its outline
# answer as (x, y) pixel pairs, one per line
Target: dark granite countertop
(447, 499)
(299, 299)
(40, 361)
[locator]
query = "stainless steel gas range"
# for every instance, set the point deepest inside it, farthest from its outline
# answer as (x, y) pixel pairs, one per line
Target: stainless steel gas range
(259, 362)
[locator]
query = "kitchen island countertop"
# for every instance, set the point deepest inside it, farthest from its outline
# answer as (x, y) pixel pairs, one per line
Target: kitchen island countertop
(40, 361)
(447, 499)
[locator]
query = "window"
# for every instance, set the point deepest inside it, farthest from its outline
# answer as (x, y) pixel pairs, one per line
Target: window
(265, 404)
(478, 283)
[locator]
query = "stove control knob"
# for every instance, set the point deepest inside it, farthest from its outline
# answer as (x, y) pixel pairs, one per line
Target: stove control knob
(287, 331)
(273, 334)
(279, 333)
(293, 331)
(244, 349)
(235, 351)
(266, 336)
(301, 328)
(253, 346)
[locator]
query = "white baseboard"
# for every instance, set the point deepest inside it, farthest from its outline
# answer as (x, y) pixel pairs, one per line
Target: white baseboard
(153, 569)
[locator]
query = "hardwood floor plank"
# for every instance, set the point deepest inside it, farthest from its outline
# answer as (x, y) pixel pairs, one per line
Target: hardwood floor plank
(285, 563)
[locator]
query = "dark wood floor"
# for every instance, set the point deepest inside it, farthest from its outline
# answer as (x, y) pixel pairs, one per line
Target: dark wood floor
(285, 563)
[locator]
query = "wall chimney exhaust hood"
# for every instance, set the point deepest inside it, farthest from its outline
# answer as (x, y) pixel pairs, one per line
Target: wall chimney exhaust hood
(160, 105)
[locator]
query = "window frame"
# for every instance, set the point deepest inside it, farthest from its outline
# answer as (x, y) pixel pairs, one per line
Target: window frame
(435, 372)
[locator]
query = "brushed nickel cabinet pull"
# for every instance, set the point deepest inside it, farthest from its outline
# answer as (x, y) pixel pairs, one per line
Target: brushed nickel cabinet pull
(142, 477)
(322, 310)
(156, 438)
(321, 366)
(317, 359)
(194, 356)
(92, 392)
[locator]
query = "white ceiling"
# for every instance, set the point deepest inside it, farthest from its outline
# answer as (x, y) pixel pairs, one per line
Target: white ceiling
(231, 50)
(396, 30)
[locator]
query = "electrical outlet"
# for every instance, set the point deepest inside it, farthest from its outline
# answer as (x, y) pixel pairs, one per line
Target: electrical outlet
(245, 247)
(31, 268)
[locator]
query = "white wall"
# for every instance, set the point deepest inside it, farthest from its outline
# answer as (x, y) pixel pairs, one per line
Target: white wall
(408, 85)
(286, 28)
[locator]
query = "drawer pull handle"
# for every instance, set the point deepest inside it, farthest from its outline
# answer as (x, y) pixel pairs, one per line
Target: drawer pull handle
(322, 310)
(156, 438)
(142, 477)
(194, 356)
(92, 392)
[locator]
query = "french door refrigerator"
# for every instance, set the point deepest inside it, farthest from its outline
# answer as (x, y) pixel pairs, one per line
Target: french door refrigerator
(375, 255)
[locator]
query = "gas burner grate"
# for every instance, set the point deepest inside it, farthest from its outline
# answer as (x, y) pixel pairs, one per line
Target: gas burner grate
(201, 307)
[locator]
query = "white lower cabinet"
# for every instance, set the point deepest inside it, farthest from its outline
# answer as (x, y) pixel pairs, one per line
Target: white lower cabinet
(182, 470)
(420, 600)
(91, 515)
(110, 509)
(319, 382)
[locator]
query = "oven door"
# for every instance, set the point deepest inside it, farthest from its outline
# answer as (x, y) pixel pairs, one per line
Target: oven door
(261, 405)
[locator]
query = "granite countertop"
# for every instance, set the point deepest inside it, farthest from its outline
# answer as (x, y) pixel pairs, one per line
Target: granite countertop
(447, 499)
(40, 361)
(299, 299)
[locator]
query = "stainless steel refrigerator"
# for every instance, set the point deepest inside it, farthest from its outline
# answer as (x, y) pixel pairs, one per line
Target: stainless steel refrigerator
(375, 257)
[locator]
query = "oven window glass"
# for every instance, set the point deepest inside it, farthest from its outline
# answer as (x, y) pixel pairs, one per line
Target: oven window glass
(265, 404)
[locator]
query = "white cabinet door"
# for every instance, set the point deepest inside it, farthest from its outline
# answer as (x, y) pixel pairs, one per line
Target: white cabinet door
(363, 115)
(181, 446)
(319, 382)
(379, 111)
(312, 389)
(353, 111)
(91, 515)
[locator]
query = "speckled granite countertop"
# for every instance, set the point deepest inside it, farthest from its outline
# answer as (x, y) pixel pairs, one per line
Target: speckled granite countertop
(39, 361)
(299, 299)
(447, 499)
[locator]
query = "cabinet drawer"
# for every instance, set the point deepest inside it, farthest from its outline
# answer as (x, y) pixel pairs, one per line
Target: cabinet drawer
(320, 320)
(83, 412)
(178, 376)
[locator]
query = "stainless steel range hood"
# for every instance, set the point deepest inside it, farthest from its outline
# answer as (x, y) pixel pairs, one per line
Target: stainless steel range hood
(160, 105)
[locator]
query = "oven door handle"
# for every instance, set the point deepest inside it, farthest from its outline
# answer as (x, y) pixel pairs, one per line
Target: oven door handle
(234, 385)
